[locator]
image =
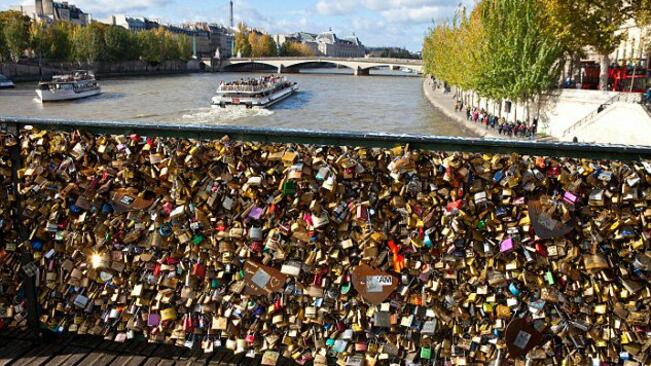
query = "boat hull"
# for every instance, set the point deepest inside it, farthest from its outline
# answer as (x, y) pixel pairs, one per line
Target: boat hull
(252, 102)
(64, 95)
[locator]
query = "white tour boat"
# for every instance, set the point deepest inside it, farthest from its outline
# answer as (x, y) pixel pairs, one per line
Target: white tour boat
(260, 92)
(78, 85)
(5, 83)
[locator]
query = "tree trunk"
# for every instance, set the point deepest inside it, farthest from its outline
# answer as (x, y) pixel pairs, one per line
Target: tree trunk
(603, 72)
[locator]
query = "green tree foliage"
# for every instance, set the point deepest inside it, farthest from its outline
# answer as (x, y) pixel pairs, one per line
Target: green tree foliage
(97, 42)
(593, 23)
(38, 39)
(60, 41)
(4, 51)
(53, 42)
(184, 46)
(160, 45)
(15, 33)
(119, 44)
(90, 43)
(454, 52)
(525, 58)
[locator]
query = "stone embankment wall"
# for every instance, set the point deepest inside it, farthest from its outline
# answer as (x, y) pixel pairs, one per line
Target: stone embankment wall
(32, 72)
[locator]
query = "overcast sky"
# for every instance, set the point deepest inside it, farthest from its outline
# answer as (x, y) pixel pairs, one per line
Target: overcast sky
(401, 23)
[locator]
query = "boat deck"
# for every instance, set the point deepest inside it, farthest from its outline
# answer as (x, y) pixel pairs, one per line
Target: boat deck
(18, 348)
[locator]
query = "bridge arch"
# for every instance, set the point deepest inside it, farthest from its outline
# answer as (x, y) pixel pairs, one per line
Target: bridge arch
(293, 65)
(232, 66)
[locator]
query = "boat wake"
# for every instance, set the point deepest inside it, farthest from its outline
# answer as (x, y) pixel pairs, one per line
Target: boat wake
(218, 115)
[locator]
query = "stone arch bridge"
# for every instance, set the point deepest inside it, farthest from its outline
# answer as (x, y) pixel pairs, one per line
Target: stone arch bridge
(360, 66)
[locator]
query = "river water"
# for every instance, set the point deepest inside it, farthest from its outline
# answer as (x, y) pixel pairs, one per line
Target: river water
(327, 101)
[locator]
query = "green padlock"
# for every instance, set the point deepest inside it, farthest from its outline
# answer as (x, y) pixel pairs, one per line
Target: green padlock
(289, 188)
(550, 278)
(197, 239)
(425, 353)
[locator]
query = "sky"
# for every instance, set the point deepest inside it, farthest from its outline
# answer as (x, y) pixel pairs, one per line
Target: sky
(399, 23)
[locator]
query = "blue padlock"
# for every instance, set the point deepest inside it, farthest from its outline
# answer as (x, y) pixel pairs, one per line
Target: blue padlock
(75, 209)
(514, 289)
(427, 241)
(107, 209)
(37, 244)
(165, 230)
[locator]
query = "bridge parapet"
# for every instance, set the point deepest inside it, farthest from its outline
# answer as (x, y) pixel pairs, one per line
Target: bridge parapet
(360, 66)
(326, 59)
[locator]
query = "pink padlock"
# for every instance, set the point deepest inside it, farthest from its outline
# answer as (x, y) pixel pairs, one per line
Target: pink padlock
(506, 245)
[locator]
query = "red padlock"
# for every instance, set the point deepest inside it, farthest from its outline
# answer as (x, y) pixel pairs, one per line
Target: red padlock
(157, 270)
(188, 324)
(541, 249)
(199, 270)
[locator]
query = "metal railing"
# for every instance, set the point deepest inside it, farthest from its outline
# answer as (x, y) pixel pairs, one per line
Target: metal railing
(340, 138)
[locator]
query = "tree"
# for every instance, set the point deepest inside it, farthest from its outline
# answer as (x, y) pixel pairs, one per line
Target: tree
(15, 33)
(269, 46)
(525, 58)
(184, 47)
(38, 40)
(255, 44)
(149, 47)
(242, 45)
(262, 45)
(119, 46)
(89, 43)
(593, 23)
(60, 41)
(295, 49)
(454, 52)
(4, 51)
(642, 12)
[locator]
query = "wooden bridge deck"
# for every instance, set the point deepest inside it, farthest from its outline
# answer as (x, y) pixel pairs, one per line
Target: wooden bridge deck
(17, 348)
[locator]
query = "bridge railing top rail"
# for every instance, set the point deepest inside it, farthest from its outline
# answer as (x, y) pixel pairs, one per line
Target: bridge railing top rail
(355, 59)
(338, 138)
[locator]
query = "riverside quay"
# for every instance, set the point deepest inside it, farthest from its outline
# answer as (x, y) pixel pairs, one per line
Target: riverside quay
(287, 246)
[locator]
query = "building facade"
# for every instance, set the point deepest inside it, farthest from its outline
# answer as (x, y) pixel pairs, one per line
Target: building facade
(218, 41)
(325, 44)
(51, 11)
(134, 24)
(634, 48)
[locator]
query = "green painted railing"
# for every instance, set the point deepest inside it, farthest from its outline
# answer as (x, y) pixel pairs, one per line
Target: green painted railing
(340, 138)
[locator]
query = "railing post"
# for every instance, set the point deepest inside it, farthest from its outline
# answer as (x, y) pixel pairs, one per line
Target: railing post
(29, 270)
